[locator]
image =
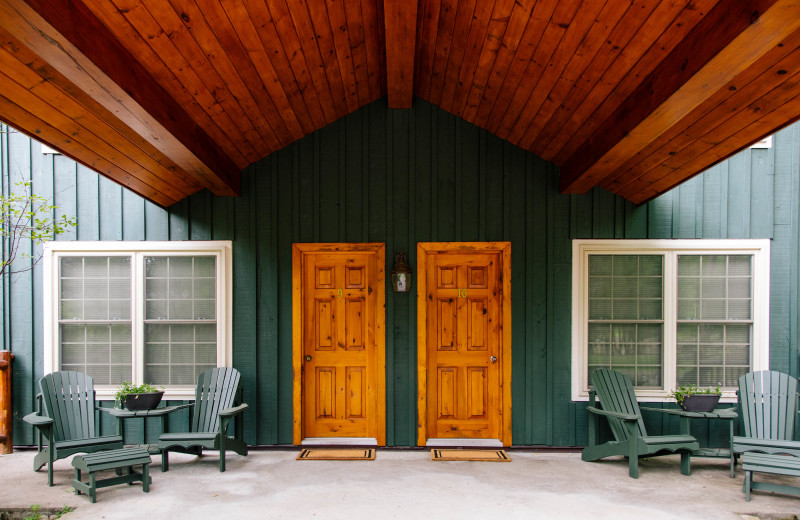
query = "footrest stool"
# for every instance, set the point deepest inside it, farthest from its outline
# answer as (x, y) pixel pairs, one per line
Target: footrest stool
(766, 463)
(121, 460)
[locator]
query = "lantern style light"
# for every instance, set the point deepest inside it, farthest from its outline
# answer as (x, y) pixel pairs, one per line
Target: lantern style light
(401, 274)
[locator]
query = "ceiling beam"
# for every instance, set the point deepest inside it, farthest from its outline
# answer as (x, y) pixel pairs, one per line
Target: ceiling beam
(400, 19)
(66, 35)
(729, 39)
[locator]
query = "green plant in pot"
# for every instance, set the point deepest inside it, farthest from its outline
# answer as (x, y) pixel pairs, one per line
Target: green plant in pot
(138, 397)
(693, 398)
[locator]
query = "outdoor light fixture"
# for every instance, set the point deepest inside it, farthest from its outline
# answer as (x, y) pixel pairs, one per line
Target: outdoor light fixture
(401, 274)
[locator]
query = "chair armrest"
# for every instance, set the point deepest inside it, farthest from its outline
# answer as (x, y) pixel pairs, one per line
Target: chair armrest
(618, 415)
(230, 412)
(39, 421)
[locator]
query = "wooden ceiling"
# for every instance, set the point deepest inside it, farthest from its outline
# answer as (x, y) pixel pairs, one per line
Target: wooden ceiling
(172, 96)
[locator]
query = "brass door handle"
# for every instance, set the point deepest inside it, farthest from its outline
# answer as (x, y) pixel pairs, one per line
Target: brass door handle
(308, 358)
(493, 359)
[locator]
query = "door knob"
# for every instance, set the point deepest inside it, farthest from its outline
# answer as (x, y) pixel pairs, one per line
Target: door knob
(308, 358)
(493, 359)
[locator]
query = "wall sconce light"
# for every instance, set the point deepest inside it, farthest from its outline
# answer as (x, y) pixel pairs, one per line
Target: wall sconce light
(401, 274)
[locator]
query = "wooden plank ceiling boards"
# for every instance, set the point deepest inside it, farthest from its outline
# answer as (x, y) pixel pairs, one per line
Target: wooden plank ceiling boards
(172, 96)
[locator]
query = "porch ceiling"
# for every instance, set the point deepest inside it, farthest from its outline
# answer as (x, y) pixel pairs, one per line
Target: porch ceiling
(169, 97)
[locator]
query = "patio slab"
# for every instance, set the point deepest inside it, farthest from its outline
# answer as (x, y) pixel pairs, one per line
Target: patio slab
(405, 484)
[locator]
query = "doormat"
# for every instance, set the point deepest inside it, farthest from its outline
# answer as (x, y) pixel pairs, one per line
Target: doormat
(337, 454)
(474, 455)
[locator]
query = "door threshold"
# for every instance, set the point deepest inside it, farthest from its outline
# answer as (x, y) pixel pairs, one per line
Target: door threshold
(339, 441)
(472, 443)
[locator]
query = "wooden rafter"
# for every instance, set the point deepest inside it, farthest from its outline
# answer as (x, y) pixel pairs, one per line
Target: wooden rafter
(400, 19)
(727, 41)
(81, 48)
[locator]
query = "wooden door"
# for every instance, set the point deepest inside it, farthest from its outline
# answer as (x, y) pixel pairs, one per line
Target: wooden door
(341, 340)
(464, 341)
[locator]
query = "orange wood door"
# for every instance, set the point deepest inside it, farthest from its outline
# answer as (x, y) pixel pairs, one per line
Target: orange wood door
(341, 387)
(463, 345)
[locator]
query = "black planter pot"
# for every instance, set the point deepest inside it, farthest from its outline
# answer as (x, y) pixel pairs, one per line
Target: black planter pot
(146, 401)
(700, 402)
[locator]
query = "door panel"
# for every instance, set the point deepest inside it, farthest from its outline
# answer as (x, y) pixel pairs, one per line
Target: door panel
(339, 341)
(462, 292)
(468, 338)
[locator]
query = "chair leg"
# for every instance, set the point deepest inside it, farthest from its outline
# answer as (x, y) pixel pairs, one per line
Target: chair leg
(146, 478)
(686, 463)
(164, 460)
(222, 454)
(748, 479)
(633, 454)
(50, 461)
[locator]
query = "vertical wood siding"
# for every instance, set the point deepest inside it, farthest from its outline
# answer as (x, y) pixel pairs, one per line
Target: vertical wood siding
(402, 177)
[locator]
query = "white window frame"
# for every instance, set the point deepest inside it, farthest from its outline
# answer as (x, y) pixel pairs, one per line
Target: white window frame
(582, 248)
(222, 250)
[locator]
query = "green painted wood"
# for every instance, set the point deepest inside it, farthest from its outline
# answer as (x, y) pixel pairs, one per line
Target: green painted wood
(603, 213)
(712, 200)
(245, 353)
(400, 177)
(200, 216)
(390, 304)
(20, 298)
(65, 191)
(215, 405)
(110, 204)
(67, 420)
(739, 196)
(179, 220)
(620, 408)
(517, 203)
(156, 222)
(267, 330)
(133, 216)
(768, 401)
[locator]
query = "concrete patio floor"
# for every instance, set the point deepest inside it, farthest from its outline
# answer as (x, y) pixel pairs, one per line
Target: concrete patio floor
(404, 484)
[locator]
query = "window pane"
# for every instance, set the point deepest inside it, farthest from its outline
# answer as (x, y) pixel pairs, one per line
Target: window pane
(633, 348)
(624, 290)
(102, 351)
(95, 310)
(180, 288)
(176, 354)
(716, 289)
(712, 354)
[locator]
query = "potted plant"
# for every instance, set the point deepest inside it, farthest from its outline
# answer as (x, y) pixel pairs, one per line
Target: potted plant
(693, 398)
(138, 397)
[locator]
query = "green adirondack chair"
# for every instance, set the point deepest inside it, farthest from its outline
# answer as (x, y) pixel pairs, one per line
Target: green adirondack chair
(620, 407)
(769, 407)
(67, 420)
(215, 405)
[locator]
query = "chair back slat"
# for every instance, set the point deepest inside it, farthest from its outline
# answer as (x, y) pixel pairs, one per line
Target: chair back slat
(616, 394)
(216, 390)
(768, 400)
(69, 400)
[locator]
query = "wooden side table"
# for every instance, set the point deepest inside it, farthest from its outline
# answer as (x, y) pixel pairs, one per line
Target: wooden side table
(161, 413)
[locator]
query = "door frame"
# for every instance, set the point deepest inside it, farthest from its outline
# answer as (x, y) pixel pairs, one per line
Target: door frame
(299, 251)
(423, 250)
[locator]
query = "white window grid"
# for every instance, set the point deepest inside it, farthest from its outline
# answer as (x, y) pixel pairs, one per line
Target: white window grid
(139, 251)
(582, 248)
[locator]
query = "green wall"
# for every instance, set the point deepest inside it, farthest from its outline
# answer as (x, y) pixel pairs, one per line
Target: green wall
(402, 177)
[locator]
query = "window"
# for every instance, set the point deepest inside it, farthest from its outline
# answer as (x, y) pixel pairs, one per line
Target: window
(155, 312)
(670, 312)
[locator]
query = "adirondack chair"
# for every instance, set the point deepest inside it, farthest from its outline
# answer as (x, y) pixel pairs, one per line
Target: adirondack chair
(769, 407)
(67, 420)
(215, 405)
(620, 407)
